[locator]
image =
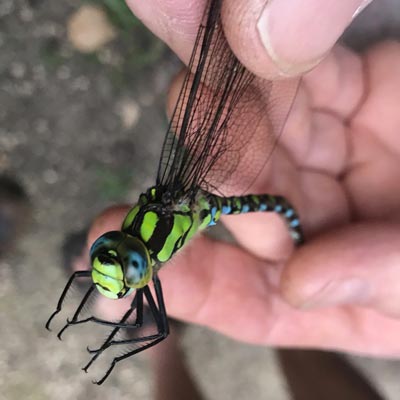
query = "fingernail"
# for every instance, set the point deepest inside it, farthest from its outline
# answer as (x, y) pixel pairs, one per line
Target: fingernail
(298, 35)
(363, 5)
(339, 292)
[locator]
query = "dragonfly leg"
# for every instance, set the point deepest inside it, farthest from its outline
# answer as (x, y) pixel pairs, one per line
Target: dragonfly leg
(74, 319)
(77, 274)
(120, 324)
(137, 304)
(160, 317)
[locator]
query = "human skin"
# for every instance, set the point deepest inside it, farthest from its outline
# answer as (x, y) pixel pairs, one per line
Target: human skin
(338, 163)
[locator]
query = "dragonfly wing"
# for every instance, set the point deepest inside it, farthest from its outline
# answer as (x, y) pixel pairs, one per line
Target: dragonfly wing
(226, 121)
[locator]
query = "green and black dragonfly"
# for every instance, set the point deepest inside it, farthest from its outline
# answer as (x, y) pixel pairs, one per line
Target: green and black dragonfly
(207, 154)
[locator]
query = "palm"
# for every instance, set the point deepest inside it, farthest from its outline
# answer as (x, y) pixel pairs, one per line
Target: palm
(338, 155)
(337, 163)
(353, 144)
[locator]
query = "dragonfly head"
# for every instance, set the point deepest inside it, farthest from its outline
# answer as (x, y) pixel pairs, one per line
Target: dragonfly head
(120, 264)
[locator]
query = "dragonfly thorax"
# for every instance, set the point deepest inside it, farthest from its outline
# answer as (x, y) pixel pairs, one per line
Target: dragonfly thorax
(120, 264)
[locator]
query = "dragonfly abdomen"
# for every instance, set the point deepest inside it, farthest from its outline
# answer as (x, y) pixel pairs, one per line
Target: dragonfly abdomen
(258, 203)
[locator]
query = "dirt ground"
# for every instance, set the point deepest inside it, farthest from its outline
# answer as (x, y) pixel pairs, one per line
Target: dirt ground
(82, 132)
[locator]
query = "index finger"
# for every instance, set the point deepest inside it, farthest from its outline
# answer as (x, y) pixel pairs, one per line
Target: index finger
(227, 289)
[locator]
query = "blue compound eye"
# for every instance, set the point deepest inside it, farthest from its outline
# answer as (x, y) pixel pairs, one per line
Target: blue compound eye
(136, 262)
(136, 270)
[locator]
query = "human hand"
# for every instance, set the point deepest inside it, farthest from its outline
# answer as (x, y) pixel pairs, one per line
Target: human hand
(336, 163)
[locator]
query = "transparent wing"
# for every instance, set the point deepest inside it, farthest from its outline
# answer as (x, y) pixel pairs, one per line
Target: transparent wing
(226, 121)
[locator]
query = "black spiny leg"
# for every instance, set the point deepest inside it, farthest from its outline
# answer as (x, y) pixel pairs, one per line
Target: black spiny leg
(137, 304)
(77, 274)
(74, 319)
(120, 324)
(160, 317)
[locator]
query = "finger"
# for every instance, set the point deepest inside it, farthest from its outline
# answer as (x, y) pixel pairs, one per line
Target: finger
(356, 265)
(337, 84)
(293, 35)
(373, 171)
(316, 133)
(223, 287)
(380, 109)
(374, 175)
(235, 294)
(226, 289)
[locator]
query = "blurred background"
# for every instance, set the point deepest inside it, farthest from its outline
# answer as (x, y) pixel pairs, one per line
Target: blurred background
(82, 93)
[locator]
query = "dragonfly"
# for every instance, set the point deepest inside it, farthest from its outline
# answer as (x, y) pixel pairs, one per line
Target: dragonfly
(211, 149)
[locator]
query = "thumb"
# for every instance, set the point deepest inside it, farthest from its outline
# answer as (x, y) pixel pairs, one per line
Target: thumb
(294, 34)
(357, 265)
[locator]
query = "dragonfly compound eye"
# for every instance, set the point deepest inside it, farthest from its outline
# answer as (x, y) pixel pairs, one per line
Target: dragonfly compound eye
(120, 263)
(136, 262)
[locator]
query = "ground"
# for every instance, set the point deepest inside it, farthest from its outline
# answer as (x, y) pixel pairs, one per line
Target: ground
(81, 132)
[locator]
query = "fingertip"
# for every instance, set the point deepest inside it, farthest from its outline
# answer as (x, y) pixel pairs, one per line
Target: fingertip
(297, 36)
(285, 38)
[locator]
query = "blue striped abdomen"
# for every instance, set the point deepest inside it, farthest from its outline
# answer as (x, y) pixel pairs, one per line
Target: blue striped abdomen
(256, 203)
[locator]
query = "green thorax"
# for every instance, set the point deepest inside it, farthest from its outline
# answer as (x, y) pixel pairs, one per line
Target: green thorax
(165, 223)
